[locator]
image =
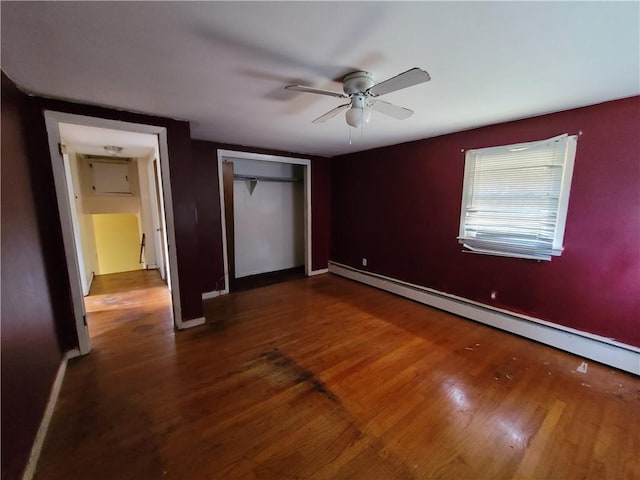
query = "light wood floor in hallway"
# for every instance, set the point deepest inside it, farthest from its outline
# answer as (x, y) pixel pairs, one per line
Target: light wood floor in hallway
(323, 378)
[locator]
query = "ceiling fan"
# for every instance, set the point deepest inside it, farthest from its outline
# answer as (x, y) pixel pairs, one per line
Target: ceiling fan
(363, 93)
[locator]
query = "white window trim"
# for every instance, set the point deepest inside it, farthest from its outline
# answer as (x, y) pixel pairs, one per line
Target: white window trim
(563, 200)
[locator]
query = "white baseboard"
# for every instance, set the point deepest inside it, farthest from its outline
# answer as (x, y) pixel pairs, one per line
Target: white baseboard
(90, 282)
(192, 323)
(73, 353)
(594, 347)
(318, 272)
(38, 442)
(213, 294)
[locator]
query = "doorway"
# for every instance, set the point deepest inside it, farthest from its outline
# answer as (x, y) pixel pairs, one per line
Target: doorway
(136, 152)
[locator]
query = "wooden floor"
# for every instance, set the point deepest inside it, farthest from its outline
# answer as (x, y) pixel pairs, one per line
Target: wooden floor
(323, 378)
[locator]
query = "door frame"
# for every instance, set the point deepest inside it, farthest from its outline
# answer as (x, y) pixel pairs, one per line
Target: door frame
(85, 283)
(240, 155)
(158, 217)
(52, 119)
(229, 223)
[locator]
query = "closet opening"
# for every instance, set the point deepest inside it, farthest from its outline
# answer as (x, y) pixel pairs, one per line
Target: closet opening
(266, 217)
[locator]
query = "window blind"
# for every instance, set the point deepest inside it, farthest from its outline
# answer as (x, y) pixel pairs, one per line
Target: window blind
(515, 198)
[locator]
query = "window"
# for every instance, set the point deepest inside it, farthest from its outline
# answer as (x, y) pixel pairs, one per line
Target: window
(515, 198)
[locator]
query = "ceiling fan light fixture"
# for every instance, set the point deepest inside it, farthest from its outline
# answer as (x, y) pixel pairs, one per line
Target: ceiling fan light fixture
(362, 91)
(357, 116)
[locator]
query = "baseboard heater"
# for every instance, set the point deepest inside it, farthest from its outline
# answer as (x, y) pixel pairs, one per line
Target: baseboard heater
(594, 347)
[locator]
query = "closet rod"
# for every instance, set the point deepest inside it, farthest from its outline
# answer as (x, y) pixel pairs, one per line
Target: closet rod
(258, 178)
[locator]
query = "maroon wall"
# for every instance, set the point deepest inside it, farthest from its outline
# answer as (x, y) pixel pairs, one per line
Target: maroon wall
(321, 211)
(205, 155)
(399, 206)
(181, 177)
(205, 160)
(30, 352)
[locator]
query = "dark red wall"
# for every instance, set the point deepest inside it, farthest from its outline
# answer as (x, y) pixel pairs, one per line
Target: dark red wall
(205, 155)
(320, 211)
(399, 206)
(205, 160)
(181, 176)
(30, 350)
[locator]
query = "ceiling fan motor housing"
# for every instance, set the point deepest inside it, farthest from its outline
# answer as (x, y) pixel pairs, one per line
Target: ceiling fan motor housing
(357, 82)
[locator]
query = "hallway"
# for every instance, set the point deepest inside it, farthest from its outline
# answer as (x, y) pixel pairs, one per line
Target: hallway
(120, 304)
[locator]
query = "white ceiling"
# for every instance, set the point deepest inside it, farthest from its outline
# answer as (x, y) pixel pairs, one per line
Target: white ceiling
(223, 65)
(92, 140)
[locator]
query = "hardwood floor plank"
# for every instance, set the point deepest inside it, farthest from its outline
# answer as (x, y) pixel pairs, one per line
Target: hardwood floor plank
(323, 378)
(528, 467)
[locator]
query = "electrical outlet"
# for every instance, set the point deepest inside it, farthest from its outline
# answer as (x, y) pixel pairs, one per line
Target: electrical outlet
(364, 262)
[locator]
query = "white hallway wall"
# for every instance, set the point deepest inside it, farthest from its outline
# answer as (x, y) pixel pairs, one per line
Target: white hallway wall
(268, 223)
(87, 238)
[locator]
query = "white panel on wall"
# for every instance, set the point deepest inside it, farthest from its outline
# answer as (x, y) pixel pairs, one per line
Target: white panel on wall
(109, 202)
(110, 176)
(268, 223)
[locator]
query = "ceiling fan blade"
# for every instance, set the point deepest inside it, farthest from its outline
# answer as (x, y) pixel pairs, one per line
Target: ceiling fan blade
(302, 88)
(390, 109)
(332, 113)
(407, 79)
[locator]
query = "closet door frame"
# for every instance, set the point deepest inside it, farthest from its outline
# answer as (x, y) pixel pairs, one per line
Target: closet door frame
(230, 156)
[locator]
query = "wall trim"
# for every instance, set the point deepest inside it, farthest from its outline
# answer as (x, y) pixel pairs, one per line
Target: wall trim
(594, 347)
(41, 434)
(194, 322)
(73, 353)
(93, 275)
(213, 294)
(318, 272)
